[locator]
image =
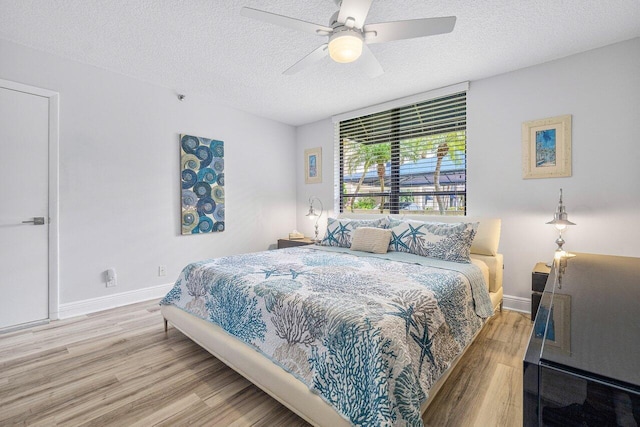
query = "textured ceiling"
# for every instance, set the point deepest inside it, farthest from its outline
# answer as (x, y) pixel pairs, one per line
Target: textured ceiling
(205, 47)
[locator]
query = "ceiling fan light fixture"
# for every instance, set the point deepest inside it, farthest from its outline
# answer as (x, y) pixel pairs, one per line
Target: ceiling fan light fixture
(347, 33)
(345, 46)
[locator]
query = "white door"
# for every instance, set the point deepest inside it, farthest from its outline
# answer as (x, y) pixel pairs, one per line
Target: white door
(24, 163)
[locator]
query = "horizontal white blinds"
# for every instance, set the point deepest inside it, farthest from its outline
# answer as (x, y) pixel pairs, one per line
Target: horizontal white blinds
(410, 158)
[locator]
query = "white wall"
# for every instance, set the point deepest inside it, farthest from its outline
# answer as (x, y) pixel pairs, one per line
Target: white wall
(318, 134)
(601, 89)
(120, 182)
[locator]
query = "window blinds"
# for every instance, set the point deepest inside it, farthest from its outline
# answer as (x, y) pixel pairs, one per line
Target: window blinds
(408, 158)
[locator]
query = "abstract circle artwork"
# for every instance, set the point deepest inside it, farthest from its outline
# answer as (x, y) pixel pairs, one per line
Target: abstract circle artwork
(203, 195)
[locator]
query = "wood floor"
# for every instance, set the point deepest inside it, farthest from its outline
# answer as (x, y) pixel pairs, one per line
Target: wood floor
(118, 367)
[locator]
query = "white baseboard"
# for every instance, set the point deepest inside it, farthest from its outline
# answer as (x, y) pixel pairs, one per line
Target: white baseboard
(516, 303)
(78, 308)
(93, 305)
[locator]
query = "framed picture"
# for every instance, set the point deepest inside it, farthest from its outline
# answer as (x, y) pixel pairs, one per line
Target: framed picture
(202, 184)
(546, 148)
(313, 165)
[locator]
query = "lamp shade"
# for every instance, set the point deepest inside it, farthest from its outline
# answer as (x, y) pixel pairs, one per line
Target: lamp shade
(345, 46)
(560, 218)
(312, 213)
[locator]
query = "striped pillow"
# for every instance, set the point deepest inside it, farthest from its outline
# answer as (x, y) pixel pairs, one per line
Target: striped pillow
(370, 239)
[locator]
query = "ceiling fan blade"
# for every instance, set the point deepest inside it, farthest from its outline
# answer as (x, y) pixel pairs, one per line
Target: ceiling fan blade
(369, 62)
(285, 21)
(308, 60)
(399, 30)
(356, 9)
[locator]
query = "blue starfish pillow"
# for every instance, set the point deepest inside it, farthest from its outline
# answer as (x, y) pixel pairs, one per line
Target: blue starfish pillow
(445, 241)
(339, 231)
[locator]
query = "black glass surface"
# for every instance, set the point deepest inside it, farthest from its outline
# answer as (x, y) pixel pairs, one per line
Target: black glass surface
(582, 365)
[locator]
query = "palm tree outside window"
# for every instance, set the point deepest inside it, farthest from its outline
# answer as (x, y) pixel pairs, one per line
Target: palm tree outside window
(408, 159)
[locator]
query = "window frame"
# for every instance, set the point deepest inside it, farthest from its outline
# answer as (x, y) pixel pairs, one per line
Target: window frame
(395, 138)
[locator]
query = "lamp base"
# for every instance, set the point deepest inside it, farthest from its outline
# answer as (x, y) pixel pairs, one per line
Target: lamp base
(560, 256)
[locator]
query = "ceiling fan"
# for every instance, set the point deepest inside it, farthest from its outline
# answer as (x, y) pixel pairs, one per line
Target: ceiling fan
(349, 35)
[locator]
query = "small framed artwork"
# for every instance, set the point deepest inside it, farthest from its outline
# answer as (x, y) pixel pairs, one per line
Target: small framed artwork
(546, 148)
(313, 165)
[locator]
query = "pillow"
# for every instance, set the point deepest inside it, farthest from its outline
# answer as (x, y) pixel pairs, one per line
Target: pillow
(487, 237)
(339, 230)
(370, 239)
(445, 241)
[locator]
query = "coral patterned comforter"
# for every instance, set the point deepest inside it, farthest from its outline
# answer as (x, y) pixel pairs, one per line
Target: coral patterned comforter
(369, 333)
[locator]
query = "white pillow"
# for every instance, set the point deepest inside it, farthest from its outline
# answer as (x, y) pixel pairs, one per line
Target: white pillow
(370, 239)
(339, 230)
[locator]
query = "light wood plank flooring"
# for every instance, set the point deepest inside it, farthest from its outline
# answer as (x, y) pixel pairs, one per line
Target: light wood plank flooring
(118, 367)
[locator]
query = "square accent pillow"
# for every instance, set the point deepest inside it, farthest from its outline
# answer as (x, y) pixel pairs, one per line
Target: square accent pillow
(445, 241)
(339, 231)
(369, 239)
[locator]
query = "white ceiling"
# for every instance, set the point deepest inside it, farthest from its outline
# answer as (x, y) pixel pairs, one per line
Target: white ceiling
(205, 47)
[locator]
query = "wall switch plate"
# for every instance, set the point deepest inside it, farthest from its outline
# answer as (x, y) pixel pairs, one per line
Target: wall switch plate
(162, 270)
(110, 277)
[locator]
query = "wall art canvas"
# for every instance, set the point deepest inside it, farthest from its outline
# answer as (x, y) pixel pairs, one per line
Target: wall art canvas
(202, 176)
(546, 148)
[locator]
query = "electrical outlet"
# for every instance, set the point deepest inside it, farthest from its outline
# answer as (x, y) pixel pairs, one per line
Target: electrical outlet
(110, 277)
(162, 270)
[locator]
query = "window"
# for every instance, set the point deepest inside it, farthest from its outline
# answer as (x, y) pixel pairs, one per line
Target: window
(407, 159)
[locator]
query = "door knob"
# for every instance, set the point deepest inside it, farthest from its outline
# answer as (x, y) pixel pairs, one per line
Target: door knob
(38, 220)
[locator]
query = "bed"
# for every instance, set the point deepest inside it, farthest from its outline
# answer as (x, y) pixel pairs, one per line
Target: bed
(342, 337)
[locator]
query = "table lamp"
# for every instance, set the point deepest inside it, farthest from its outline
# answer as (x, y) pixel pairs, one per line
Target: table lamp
(313, 215)
(560, 221)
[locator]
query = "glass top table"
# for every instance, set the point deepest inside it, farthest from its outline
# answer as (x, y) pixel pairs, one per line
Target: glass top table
(590, 309)
(584, 349)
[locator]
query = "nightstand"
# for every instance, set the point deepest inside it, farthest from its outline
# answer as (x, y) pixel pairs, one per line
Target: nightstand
(539, 277)
(289, 243)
